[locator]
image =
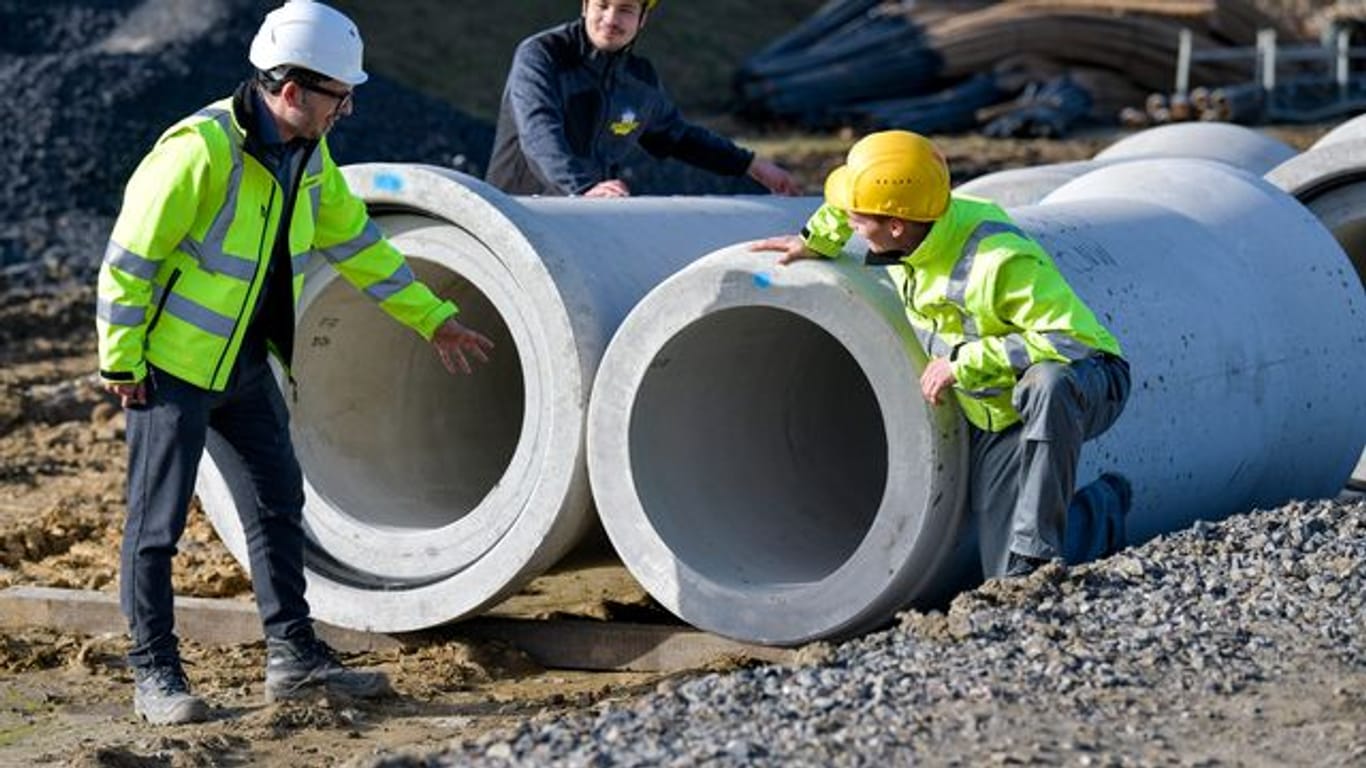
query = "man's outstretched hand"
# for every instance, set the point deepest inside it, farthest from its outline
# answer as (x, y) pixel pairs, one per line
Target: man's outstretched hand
(789, 248)
(455, 344)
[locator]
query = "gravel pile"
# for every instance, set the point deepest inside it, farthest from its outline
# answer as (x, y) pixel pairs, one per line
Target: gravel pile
(90, 84)
(1237, 642)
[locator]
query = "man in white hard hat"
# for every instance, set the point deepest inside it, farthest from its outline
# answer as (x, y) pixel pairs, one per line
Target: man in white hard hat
(579, 100)
(196, 291)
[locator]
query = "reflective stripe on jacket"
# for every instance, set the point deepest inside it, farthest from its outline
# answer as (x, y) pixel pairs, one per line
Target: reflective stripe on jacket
(188, 256)
(981, 293)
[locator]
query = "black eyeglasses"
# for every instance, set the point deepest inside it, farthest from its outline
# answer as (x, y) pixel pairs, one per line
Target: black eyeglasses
(343, 97)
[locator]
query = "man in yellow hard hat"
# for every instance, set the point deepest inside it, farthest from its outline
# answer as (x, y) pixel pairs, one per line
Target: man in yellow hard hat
(579, 100)
(1033, 370)
(197, 289)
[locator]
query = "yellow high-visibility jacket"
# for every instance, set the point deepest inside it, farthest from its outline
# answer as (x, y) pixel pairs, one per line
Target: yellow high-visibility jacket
(983, 294)
(188, 256)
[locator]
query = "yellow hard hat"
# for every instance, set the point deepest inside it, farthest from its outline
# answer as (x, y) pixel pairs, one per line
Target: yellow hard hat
(891, 173)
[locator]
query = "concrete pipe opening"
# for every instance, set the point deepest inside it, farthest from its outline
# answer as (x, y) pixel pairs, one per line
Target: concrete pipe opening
(1330, 180)
(380, 425)
(756, 458)
(758, 449)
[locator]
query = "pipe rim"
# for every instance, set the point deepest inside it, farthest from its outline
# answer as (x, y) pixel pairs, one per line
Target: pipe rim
(349, 535)
(555, 512)
(733, 279)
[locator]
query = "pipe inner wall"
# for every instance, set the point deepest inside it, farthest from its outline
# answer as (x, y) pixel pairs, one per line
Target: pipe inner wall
(738, 477)
(400, 425)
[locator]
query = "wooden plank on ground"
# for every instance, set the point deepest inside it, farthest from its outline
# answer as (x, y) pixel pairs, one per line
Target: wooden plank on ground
(552, 643)
(203, 620)
(604, 645)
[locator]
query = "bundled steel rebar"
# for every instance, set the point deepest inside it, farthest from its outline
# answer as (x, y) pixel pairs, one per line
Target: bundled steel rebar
(1044, 110)
(952, 109)
(862, 61)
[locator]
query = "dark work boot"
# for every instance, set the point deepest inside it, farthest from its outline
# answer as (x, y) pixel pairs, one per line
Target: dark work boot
(161, 696)
(1116, 531)
(304, 666)
(1022, 565)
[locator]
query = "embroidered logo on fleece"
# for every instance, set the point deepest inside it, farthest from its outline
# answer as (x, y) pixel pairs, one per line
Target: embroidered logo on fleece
(626, 124)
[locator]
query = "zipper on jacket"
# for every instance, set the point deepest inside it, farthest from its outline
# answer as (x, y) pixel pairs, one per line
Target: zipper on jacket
(165, 296)
(265, 225)
(605, 117)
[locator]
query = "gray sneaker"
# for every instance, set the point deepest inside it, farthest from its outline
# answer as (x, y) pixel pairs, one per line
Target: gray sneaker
(161, 696)
(301, 667)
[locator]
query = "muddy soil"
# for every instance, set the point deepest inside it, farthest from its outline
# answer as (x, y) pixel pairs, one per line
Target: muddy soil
(65, 699)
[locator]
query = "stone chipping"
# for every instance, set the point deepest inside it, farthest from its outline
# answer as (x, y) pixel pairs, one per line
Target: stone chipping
(1114, 663)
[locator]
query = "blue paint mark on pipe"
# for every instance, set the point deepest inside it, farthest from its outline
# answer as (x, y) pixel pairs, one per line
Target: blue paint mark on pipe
(388, 182)
(763, 280)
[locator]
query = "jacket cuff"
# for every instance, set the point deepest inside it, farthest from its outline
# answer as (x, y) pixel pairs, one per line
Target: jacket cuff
(826, 247)
(433, 319)
(138, 373)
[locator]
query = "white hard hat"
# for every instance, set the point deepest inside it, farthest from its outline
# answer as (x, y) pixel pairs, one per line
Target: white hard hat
(311, 35)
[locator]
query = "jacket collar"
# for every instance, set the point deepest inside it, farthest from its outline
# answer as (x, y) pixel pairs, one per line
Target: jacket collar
(578, 31)
(247, 114)
(938, 244)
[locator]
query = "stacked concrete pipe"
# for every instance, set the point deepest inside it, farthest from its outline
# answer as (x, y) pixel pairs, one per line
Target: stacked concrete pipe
(1348, 131)
(765, 466)
(1330, 179)
(1233, 145)
(431, 497)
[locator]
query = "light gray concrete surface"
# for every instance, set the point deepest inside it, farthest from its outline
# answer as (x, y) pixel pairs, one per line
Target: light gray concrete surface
(1330, 180)
(1350, 130)
(431, 497)
(1225, 143)
(1014, 187)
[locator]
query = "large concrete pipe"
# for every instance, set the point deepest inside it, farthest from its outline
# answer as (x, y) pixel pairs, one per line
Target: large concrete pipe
(765, 466)
(1230, 144)
(1014, 187)
(1348, 131)
(1330, 179)
(1227, 143)
(431, 497)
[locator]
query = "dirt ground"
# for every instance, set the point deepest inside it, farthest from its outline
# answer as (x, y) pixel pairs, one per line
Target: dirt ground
(65, 699)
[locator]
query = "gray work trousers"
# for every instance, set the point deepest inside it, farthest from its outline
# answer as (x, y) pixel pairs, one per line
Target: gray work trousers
(1022, 477)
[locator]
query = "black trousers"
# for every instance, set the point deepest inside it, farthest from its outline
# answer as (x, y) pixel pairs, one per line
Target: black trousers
(165, 442)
